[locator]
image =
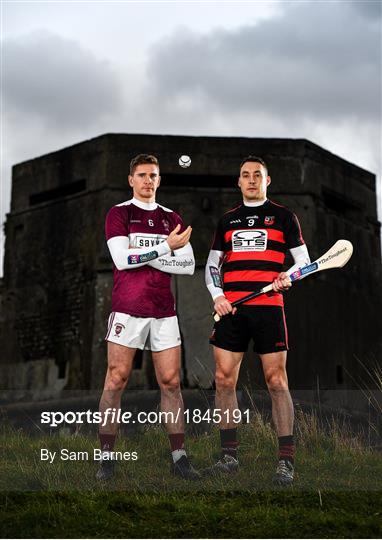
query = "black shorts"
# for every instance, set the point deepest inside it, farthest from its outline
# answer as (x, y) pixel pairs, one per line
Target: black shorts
(266, 325)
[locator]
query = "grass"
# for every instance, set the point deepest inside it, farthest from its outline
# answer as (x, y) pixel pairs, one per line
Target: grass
(337, 493)
(228, 515)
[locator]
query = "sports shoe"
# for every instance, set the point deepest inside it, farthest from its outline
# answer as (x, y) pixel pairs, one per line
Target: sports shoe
(184, 469)
(106, 469)
(284, 473)
(226, 465)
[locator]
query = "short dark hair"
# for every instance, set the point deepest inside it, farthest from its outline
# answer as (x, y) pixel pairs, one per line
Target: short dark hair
(254, 159)
(142, 159)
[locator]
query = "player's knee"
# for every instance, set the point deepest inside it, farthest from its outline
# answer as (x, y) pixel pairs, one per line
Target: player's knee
(116, 378)
(170, 383)
(277, 381)
(224, 381)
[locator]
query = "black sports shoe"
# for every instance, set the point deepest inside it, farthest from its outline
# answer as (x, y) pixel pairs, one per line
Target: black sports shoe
(184, 469)
(106, 469)
(284, 473)
(226, 465)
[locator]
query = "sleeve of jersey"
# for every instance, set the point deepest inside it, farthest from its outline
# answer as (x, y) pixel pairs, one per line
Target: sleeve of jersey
(116, 223)
(212, 273)
(177, 220)
(293, 234)
(300, 256)
(123, 257)
(182, 262)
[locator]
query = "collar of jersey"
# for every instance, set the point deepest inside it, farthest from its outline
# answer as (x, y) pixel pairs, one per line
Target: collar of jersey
(260, 203)
(144, 205)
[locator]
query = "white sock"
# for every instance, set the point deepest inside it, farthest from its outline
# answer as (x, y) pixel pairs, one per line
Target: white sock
(177, 454)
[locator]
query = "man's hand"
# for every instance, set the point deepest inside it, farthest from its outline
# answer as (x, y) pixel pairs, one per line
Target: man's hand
(177, 241)
(282, 282)
(222, 306)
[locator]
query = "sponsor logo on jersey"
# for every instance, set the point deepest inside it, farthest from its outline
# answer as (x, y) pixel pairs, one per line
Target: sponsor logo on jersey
(252, 217)
(118, 327)
(250, 240)
(145, 240)
(235, 221)
(269, 220)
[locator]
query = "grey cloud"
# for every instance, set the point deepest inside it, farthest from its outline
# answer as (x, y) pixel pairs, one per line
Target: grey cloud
(55, 81)
(317, 60)
(370, 9)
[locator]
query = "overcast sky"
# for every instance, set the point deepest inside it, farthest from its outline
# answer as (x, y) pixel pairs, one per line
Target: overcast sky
(75, 70)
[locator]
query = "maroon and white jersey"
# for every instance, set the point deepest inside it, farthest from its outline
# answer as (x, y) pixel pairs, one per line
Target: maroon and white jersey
(141, 229)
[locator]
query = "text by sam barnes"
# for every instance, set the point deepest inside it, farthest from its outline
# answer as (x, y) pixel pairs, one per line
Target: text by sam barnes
(74, 455)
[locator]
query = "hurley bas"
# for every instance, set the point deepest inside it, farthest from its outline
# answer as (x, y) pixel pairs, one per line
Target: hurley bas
(70, 455)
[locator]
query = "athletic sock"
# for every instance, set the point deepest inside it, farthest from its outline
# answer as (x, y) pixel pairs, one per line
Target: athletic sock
(286, 448)
(107, 442)
(228, 442)
(177, 446)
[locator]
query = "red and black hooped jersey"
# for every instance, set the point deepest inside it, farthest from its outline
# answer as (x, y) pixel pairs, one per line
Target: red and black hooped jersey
(254, 241)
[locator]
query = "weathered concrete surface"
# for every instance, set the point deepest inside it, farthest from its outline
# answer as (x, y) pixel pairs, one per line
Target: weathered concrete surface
(57, 276)
(36, 380)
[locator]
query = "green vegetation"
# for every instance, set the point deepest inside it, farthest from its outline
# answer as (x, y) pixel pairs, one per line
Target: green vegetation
(337, 493)
(235, 515)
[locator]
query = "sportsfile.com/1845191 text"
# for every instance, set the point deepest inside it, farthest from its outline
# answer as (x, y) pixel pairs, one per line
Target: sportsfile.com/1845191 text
(113, 415)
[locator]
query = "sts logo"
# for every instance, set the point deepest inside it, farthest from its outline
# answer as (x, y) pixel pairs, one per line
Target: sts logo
(250, 240)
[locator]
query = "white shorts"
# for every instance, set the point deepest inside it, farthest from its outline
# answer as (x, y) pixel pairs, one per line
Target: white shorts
(143, 332)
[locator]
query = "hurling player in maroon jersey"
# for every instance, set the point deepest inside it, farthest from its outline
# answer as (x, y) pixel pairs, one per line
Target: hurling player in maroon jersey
(148, 243)
(248, 252)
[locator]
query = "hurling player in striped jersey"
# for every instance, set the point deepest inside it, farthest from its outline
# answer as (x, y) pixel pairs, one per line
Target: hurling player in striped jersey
(148, 243)
(248, 252)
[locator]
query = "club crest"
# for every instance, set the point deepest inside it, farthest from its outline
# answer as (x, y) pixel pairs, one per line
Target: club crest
(166, 225)
(118, 327)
